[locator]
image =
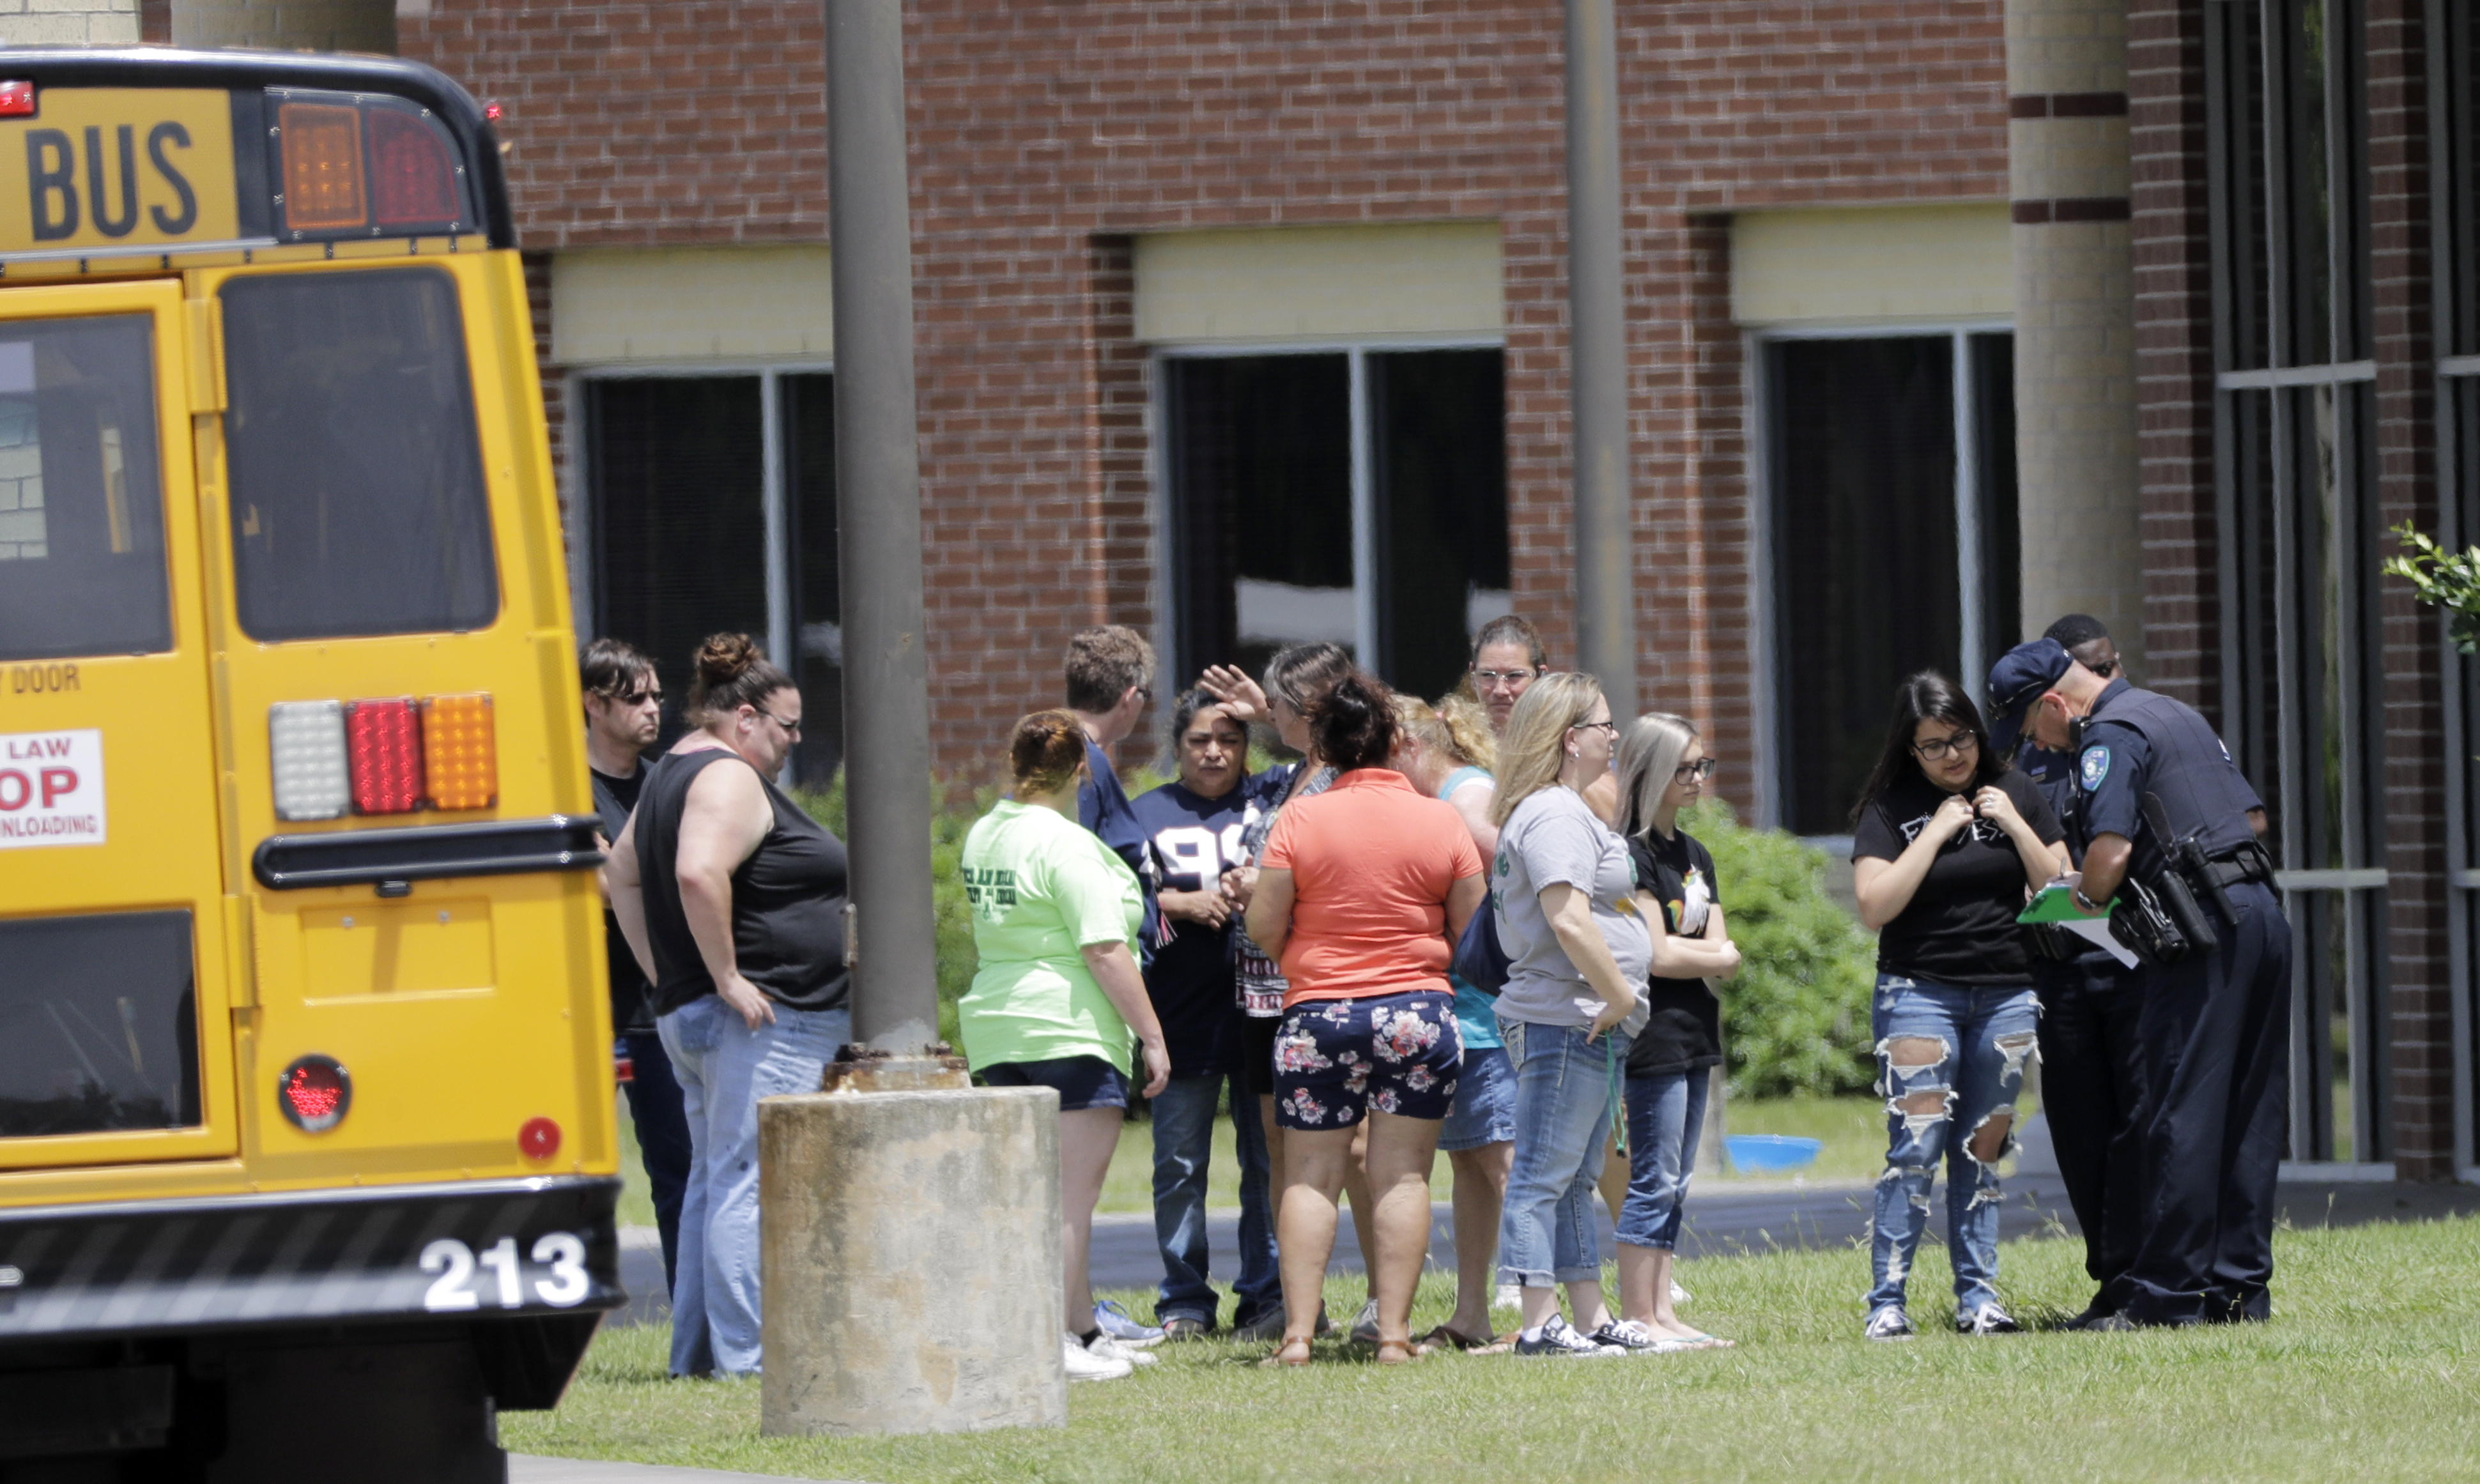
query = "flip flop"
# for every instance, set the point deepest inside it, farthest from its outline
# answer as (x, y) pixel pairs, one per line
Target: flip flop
(1276, 1358)
(1705, 1342)
(1443, 1335)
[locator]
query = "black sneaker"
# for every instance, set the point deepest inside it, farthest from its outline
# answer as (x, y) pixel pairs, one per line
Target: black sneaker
(1181, 1327)
(2111, 1324)
(1987, 1319)
(1889, 1323)
(1631, 1338)
(1266, 1327)
(1558, 1337)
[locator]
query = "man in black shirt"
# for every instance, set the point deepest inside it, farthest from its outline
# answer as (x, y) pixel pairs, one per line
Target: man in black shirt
(624, 711)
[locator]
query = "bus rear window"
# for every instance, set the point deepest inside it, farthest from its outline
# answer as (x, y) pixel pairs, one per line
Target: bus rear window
(98, 1025)
(358, 505)
(81, 567)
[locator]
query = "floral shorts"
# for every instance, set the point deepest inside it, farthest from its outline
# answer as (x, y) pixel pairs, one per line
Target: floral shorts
(1335, 1061)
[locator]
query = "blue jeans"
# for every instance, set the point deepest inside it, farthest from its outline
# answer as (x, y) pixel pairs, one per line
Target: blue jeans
(1949, 1057)
(1665, 1112)
(1563, 1106)
(1184, 1147)
(662, 1139)
(724, 1068)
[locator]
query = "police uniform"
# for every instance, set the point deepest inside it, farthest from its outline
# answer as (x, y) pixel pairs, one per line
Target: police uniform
(2212, 1028)
(2092, 1070)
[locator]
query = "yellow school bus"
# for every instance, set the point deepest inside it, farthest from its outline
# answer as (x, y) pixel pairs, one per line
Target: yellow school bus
(306, 1123)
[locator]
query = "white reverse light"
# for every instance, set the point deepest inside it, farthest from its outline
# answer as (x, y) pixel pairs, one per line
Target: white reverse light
(307, 738)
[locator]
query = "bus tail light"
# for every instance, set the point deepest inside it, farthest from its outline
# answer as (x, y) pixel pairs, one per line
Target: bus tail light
(413, 179)
(323, 166)
(314, 1093)
(386, 741)
(458, 748)
(307, 740)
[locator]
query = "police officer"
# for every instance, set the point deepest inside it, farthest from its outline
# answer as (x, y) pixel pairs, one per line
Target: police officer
(2091, 1072)
(2167, 830)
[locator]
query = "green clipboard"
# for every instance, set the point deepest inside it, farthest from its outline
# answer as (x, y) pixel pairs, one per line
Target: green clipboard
(2056, 903)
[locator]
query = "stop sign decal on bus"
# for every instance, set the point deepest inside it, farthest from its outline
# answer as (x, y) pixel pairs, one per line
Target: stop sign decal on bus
(51, 788)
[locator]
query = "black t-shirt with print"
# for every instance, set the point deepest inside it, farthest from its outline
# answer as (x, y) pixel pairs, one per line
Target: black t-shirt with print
(1684, 1032)
(1960, 926)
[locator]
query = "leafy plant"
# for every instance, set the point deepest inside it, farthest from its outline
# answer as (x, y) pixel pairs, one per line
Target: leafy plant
(2443, 579)
(1795, 1019)
(951, 915)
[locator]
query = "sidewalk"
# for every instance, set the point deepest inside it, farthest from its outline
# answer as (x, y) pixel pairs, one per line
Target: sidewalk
(524, 1469)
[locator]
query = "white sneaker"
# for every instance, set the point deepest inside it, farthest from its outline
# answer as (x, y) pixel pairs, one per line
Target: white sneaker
(1108, 1348)
(1678, 1294)
(1364, 1324)
(1507, 1296)
(1084, 1365)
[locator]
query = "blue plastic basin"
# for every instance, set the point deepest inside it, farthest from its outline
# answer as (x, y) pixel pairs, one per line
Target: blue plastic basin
(1751, 1153)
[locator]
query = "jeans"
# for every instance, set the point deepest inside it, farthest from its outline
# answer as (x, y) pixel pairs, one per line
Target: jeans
(1665, 1112)
(662, 1139)
(1948, 1058)
(1565, 1097)
(724, 1068)
(1184, 1147)
(2092, 1087)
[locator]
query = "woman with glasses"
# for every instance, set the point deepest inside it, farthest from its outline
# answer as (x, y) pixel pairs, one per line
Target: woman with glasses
(1663, 769)
(732, 900)
(1506, 657)
(1577, 947)
(1948, 842)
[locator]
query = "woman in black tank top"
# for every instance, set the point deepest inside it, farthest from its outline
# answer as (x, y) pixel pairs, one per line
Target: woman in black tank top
(732, 901)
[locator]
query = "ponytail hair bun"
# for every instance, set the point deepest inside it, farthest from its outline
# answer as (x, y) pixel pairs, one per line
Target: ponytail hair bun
(1352, 724)
(731, 672)
(1045, 752)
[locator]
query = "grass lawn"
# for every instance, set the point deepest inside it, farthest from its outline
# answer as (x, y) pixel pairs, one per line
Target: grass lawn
(2370, 1369)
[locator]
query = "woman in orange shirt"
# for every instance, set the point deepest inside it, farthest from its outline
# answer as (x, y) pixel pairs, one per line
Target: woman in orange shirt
(1360, 894)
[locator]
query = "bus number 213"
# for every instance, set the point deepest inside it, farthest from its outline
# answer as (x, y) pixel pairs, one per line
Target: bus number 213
(455, 1262)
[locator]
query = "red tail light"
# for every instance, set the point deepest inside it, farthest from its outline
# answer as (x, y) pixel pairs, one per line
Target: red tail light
(384, 738)
(314, 1094)
(538, 1139)
(414, 181)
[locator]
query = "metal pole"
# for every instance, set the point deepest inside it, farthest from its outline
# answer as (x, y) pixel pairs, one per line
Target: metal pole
(878, 509)
(1598, 340)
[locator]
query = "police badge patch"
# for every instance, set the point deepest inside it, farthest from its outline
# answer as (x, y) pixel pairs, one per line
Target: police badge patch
(2095, 767)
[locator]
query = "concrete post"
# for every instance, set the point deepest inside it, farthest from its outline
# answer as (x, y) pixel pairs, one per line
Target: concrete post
(79, 23)
(313, 25)
(2075, 317)
(1597, 357)
(910, 1243)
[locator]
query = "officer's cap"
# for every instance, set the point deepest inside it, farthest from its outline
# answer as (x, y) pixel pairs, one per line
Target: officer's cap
(2021, 675)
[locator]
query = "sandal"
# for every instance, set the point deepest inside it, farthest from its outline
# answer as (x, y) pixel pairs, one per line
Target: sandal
(1445, 1337)
(1277, 1358)
(1406, 1352)
(1705, 1342)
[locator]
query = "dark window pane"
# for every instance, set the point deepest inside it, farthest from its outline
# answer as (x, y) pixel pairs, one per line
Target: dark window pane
(817, 619)
(2001, 552)
(80, 493)
(1441, 444)
(1866, 570)
(98, 1025)
(1261, 472)
(358, 505)
(679, 480)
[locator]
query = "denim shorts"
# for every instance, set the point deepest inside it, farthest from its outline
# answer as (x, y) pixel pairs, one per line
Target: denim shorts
(1485, 1111)
(1083, 1082)
(1337, 1060)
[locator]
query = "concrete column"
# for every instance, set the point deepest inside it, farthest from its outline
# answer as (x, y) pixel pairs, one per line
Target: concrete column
(2074, 316)
(311, 25)
(910, 1243)
(79, 23)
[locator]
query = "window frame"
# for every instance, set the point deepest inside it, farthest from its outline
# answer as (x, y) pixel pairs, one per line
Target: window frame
(1764, 459)
(1162, 496)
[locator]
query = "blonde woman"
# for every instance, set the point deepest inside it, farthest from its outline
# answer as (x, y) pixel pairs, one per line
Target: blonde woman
(1577, 947)
(1445, 751)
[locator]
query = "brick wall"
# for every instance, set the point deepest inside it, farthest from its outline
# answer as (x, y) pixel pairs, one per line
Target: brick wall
(1044, 136)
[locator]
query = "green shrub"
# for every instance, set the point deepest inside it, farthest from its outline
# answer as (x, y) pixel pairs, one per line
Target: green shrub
(1795, 1019)
(951, 915)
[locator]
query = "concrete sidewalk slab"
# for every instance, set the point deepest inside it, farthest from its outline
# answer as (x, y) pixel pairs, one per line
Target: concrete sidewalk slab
(526, 1469)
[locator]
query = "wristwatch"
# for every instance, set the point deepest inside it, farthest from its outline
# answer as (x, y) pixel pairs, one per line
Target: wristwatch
(2086, 903)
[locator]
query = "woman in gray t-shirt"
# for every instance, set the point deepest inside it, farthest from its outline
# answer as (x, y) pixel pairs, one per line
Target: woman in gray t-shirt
(1566, 899)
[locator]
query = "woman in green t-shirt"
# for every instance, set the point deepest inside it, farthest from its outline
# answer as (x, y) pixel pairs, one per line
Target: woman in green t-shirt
(1056, 918)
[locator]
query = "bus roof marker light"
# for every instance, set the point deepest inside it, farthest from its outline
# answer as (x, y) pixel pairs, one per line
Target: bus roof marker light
(460, 752)
(384, 738)
(16, 98)
(307, 743)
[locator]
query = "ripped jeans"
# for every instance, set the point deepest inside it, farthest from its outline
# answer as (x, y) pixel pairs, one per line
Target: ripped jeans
(1949, 1061)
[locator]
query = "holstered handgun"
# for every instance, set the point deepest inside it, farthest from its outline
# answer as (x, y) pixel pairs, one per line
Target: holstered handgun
(2188, 870)
(2139, 921)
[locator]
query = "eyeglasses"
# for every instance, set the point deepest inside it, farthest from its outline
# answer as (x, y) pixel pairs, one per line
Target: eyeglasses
(790, 729)
(1496, 679)
(1613, 728)
(1941, 749)
(1696, 772)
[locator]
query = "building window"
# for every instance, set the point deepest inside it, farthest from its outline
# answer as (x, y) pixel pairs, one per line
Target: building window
(1892, 462)
(714, 507)
(2296, 473)
(1358, 495)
